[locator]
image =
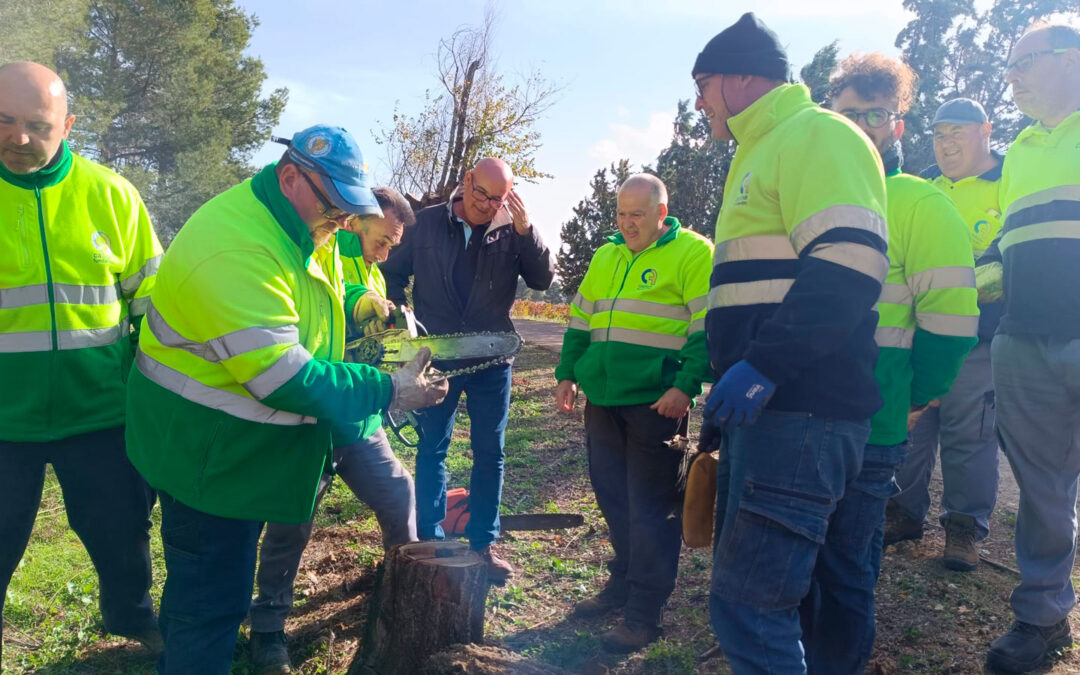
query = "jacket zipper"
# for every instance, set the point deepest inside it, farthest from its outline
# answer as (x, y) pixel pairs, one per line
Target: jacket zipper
(48, 268)
(622, 285)
(24, 238)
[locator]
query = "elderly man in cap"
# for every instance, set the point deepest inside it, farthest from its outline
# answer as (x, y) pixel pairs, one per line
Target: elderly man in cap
(239, 385)
(77, 261)
(962, 422)
(799, 264)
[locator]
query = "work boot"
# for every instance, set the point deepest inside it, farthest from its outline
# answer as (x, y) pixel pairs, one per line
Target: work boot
(960, 553)
(498, 569)
(610, 598)
(150, 639)
(899, 526)
(270, 653)
(629, 636)
(1026, 646)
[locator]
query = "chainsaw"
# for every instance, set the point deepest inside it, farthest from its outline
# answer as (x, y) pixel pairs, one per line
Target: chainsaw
(405, 336)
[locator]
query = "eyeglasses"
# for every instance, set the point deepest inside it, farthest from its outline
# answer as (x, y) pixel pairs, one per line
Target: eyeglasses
(1025, 62)
(328, 210)
(483, 195)
(875, 117)
(699, 84)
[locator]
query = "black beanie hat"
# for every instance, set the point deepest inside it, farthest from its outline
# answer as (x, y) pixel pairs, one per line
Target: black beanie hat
(747, 47)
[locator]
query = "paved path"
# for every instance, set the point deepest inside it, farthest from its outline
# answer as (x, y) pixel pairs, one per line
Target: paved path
(543, 334)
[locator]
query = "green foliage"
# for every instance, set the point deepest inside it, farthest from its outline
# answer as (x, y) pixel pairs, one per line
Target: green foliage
(33, 31)
(959, 49)
(815, 74)
(593, 219)
(165, 95)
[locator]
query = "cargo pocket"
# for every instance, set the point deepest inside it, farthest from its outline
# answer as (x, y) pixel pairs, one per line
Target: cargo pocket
(767, 556)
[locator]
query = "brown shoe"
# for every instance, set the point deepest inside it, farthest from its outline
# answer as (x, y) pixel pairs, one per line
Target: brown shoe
(960, 553)
(498, 569)
(899, 526)
(607, 600)
(629, 636)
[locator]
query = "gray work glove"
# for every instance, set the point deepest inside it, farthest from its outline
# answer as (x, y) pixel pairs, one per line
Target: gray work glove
(412, 387)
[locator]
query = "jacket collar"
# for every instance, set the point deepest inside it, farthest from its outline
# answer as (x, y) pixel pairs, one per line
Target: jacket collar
(669, 235)
(268, 191)
(768, 111)
(53, 172)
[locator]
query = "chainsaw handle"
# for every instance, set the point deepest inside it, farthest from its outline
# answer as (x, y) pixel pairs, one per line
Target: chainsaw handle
(409, 421)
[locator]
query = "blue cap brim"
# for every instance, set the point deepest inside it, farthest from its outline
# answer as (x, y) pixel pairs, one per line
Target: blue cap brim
(352, 198)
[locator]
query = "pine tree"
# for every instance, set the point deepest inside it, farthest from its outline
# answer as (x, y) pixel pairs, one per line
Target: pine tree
(593, 220)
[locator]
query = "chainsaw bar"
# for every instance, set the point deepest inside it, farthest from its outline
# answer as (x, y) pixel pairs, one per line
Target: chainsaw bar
(541, 521)
(397, 347)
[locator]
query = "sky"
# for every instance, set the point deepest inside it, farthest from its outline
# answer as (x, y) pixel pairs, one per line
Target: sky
(623, 66)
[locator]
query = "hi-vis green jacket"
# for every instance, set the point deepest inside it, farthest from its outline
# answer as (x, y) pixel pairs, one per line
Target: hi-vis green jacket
(637, 323)
(356, 271)
(238, 383)
(77, 261)
(928, 315)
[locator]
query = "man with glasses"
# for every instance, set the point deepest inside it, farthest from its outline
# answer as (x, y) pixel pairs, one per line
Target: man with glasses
(465, 257)
(969, 172)
(800, 257)
(239, 387)
(1035, 265)
(927, 321)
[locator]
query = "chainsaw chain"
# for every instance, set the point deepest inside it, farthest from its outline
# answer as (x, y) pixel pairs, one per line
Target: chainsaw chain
(447, 374)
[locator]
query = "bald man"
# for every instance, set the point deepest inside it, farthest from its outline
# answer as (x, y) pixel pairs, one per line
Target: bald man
(79, 260)
(465, 257)
(636, 347)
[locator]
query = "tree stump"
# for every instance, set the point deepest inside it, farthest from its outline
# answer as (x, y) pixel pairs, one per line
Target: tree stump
(429, 595)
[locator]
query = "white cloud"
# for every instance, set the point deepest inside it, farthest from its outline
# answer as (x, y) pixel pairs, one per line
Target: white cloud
(640, 145)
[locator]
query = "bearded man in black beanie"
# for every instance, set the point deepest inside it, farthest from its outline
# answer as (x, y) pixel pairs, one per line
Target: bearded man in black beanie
(799, 264)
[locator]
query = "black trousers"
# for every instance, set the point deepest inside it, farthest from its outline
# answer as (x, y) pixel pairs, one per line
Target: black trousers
(108, 506)
(634, 474)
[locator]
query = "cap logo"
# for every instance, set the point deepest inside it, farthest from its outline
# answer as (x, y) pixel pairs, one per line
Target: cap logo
(317, 146)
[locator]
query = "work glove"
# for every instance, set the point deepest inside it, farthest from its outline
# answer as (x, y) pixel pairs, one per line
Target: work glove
(739, 397)
(989, 282)
(371, 304)
(412, 387)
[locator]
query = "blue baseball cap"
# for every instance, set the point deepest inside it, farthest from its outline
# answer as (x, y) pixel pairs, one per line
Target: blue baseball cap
(960, 111)
(333, 153)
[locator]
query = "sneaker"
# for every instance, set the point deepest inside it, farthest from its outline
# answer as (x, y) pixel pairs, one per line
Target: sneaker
(498, 569)
(899, 526)
(150, 639)
(1026, 646)
(608, 599)
(629, 636)
(270, 653)
(960, 554)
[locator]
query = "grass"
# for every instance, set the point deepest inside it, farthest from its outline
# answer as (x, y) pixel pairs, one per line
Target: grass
(52, 625)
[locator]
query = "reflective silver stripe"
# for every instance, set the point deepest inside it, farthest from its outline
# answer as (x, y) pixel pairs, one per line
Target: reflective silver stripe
(1054, 229)
(33, 341)
(643, 307)
(749, 293)
(283, 370)
(92, 337)
(225, 401)
(222, 347)
(578, 323)
(890, 336)
(22, 296)
(897, 294)
(942, 277)
(638, 337)
(841, 215)
(695, 326)
(1059, 193)
(74, 294)
(138, 306)
(582, 304)
(948, 324)
(859, 257)
(131, 284)
(758, 247)
(697, 304)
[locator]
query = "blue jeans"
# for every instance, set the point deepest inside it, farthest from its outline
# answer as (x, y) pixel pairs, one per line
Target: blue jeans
(210, 570)
(838, 613)
(487, 400)
(779, 482)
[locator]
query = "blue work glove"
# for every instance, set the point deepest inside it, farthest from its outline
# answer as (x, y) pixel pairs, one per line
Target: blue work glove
(739, 396)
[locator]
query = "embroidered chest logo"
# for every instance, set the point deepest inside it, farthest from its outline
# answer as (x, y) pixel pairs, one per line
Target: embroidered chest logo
(743, 195)
(979, 225)
(102, 249)
(648, 279)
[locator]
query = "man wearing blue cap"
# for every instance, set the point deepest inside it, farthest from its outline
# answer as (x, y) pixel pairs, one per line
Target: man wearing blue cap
(239, 386)
(969, 172)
